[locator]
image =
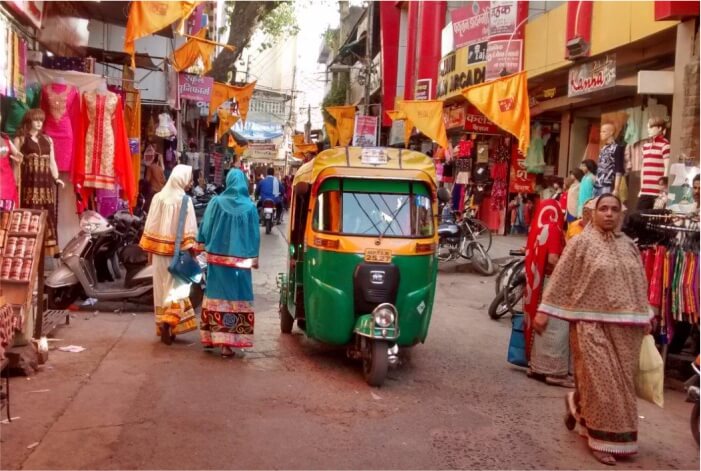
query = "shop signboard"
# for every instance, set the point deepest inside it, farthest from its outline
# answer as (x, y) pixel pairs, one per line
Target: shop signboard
(422, 89)
(396, 132)
(455, 74)
(592, 76)
(256, 151)
(365, 131)
(195, 88)
(478, 123)
(520, 181)
(503, 16)
(470, 23)
(498, 58)
(454, 116)
(477, 52)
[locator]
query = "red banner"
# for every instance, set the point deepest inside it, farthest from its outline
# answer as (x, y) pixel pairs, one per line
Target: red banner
(520, 181)
(477, 122)
(470, 23)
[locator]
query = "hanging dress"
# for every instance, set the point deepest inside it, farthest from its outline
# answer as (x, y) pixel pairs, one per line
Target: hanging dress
(61, 103)
(8, 185)
(38, 189)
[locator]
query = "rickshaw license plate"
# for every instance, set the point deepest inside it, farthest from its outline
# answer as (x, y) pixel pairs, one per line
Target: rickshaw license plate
(378, 255)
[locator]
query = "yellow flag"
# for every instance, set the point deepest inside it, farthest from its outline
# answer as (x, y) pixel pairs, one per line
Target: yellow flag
(243, 97)
(226, 121)
(332, 132)
(395, 115)
(147, 17)
(504, 102)
(220, 94)
(186, 55)
(345, 121)
(427, 116)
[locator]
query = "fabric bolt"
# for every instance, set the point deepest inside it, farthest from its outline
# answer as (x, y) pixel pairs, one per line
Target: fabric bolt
(230, 237)
(37, 187)
(586, 192)
(655, 152)
(8, 184)
(611, 162)
(61, 103)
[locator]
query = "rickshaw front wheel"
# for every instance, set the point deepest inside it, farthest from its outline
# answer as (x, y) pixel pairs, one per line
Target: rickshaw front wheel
(375, 361)
(286, 320)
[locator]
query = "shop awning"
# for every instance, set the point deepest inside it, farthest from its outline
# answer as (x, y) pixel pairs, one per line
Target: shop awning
(143, 61)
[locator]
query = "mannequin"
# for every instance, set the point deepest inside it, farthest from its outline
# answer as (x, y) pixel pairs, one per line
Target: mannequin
(39, 173)
(10, 159)
(463, 170)
(655, 163)
(611, 165)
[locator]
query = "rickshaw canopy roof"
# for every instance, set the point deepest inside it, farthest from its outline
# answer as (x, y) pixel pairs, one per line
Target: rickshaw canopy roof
(395, 161)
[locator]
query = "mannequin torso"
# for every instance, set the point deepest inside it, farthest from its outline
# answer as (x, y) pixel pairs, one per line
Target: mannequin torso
(655, 161)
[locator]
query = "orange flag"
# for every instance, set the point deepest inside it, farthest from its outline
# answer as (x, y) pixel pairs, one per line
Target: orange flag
(226, 121)
(187, 54)
(427, 116)
(147, 17)
(332, 132)
(243, 98)
(504, 102)
(220, 94)
(345, 121)
(408, 125)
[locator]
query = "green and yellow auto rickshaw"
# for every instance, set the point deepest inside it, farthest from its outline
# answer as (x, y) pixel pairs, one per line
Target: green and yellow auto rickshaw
(362, 253)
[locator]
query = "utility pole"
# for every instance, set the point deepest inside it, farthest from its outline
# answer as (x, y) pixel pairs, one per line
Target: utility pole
(368, 58)
(308, 126)
(290, 121)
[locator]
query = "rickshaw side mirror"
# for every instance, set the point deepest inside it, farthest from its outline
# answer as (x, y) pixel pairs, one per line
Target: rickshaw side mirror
(302, 188)
(443, 195)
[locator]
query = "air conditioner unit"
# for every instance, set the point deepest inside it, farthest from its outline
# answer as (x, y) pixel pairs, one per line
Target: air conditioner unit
(577, 48)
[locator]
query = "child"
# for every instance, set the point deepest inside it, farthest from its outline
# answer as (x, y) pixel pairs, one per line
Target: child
(661, 200)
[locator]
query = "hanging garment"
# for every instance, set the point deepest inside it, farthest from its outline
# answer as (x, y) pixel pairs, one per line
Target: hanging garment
(18, 108)
(38, 190)
(103, 160)
(634, 125)
(166, 127)
(592, 150)
(61, 103)
(8, 184)
(535, 158)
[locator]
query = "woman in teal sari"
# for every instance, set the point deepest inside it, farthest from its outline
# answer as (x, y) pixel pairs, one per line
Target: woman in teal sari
(230, 236)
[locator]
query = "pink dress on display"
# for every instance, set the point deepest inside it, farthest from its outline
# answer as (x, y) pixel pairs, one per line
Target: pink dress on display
(61, 103)
(8, 186)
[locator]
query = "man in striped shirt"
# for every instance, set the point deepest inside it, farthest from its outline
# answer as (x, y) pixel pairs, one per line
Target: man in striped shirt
(655, 164)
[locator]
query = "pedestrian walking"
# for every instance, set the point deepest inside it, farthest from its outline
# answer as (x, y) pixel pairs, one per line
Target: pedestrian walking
(599, 285)
(548, 353)
(171, 295)
(230, 237)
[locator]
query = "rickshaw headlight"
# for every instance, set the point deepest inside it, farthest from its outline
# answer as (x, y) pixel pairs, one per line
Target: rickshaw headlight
(384, 316)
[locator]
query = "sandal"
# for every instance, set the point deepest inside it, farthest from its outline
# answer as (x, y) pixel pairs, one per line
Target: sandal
(605, 458)
(570, 420)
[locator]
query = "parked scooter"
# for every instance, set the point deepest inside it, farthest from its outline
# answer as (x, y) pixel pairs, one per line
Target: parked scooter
(459, 239)
(510, 286)
(692, 395)
(92, 262)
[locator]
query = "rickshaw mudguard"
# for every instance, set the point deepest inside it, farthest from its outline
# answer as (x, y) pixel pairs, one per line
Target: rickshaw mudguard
(365, 326)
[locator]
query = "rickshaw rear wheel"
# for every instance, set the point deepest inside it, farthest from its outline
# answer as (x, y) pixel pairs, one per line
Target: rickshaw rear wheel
(286, 320)
(375, 361)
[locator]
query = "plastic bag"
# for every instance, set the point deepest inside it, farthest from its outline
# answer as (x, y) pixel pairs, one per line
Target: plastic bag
(649, 380)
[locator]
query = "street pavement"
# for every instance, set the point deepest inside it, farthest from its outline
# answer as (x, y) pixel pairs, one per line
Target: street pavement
(130, 402)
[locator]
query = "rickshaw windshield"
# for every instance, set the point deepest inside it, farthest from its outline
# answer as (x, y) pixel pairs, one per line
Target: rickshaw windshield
(374, 214)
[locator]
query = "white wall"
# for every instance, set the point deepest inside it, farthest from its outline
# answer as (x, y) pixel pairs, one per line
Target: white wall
(401, 63)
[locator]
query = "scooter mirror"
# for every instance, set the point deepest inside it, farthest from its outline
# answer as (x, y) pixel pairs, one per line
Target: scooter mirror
(443, 195)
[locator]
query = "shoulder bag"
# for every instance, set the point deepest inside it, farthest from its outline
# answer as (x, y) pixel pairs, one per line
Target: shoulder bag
(184, 266)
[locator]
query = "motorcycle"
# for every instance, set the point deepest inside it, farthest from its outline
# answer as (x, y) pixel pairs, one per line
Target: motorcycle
(201, 198)
(93, 259)
(692, 395)
(463, 239)
(269, 214)
(510, 286)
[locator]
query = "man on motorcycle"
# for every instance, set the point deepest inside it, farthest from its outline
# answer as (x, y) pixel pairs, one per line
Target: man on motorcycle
(270, 188)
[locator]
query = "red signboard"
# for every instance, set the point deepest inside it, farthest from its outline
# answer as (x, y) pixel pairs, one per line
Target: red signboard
(30, 10)
(520, 181)
(454, 117)
(675, 10)
(579, 14)
(194, 87)
(470, 23)
(499, 59)
(477, 122)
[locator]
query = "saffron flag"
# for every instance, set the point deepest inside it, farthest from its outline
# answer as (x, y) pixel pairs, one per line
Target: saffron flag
(148, 17)
(345, 121)
(504, 102)
(195, 47)
(332, 132)
(222, 92)
(395, 115)
(427, 116)
(226, 121)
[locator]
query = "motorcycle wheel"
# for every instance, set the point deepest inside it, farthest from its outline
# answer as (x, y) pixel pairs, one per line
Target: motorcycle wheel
(61, 298)
(695, 422)
(499, 307)
(481, 233)
(268, 225)
(375, 362)
(481, 261)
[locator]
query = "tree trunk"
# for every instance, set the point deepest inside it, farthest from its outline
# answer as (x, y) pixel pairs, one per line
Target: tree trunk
(245, 18)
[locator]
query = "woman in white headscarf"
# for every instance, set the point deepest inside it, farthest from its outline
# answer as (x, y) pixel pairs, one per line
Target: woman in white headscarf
(174, 313)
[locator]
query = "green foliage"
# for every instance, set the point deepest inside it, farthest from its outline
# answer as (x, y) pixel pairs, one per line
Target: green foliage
(336, 96)
(279, 24)
(332, 39)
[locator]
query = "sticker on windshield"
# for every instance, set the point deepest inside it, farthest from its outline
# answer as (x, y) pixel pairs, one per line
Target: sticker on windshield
(373, 156)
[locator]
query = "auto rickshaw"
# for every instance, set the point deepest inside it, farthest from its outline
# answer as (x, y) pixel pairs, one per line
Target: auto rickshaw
(362, 253)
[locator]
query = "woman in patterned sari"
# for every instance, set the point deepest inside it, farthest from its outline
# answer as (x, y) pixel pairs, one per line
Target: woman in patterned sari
(171, 296)
(599, 286)
(230, 237)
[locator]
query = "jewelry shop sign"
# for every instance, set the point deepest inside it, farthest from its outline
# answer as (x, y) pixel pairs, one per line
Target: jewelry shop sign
(592, 76)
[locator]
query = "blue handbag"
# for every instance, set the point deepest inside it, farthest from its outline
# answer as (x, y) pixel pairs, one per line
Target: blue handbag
(517, 343)
(184, 266)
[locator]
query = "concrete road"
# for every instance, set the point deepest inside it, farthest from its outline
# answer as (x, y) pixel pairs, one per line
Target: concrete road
(129, 402)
